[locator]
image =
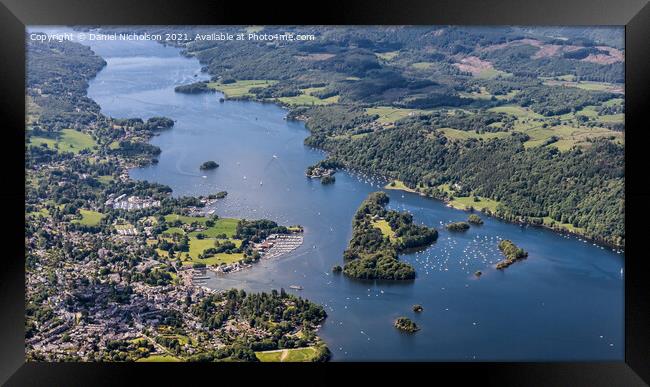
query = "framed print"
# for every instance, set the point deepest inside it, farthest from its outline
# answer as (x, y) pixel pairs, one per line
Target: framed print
(388, 190)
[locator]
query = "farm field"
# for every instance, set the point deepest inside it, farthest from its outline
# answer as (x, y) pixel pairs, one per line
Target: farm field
(389, 114)
(159, 359)
(456, 134)
(587, 85)
(306, 98)
(422, 65)
(400, 186)
(240, 88)
(197, 246)
(517, 111)
(466, 202)
(69, 140)
(287, 355)
(90, 218)
(388, 55)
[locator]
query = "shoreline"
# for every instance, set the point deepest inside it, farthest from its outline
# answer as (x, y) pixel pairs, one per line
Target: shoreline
(563, 231)
(288, 107)
(287, 244)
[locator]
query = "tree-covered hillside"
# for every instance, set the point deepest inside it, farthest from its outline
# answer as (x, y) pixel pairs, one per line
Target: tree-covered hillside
(530, 119)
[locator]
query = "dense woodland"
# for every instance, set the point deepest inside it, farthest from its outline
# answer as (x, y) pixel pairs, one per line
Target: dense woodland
(268, 310)
(194, 88)
(582, 187)
(57, 83)
(511, 252)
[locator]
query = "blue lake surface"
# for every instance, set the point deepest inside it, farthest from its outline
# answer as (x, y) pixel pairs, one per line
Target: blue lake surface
(565, 302)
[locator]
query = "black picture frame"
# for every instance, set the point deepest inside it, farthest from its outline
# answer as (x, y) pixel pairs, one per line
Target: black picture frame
(633, 14)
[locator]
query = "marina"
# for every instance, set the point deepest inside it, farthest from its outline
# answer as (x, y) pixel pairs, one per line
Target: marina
(276, 245)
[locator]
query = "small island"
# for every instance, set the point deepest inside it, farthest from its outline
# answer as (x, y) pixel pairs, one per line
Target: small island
(458, 226)
(318, 172)
(329, 179)
(511, 252)
(194, 88)
(218, 195)
(209, 165)
(337, 269)
(417, 308)
(378, 235)
(474, 219)
(324, 169)
(159, 123)
(406, 325)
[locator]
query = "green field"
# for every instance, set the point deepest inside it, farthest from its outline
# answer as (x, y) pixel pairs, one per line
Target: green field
(586, 85)
(226, 226)
(306, 98)
(570, 132)
(106, 179)
(456, 134)
(516, 111)
(400, 186)
(422, 65)
(385, 228)
(465, 202)
(389, 114)
(564, 226)
(387, 55)
(197, 246)
(611, 118)
(69, 140)
(240, 88)
(287, 355)
(614, 101)
(569, 136)
(158, 359)
(491, 74)
(90, 218)
(174, 230)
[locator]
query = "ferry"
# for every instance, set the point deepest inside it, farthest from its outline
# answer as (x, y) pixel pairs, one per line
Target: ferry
(296, 287)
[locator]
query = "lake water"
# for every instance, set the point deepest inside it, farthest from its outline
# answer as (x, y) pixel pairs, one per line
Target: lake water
(565, 302)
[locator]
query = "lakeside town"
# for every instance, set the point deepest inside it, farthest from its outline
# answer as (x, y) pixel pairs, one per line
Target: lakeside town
(114, 267)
